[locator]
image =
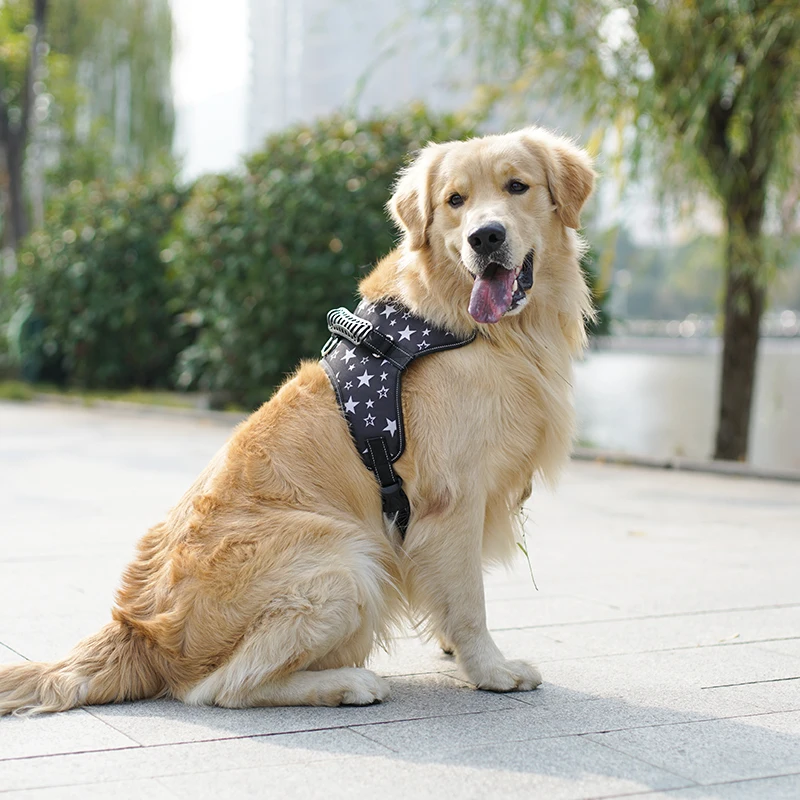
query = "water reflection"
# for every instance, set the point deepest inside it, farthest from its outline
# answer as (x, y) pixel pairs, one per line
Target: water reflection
(635, 399)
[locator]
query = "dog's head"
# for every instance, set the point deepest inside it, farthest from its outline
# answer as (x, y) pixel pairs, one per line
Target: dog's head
(488, 208)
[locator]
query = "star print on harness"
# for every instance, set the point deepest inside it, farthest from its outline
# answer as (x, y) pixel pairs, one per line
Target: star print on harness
(365, 358)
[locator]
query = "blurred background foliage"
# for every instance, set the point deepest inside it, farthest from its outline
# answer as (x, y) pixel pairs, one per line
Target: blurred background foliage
(131, 278)
(95, 303)
(125, 284)
(706, 93)
(85, 95)
(111, 109)
(262, 257)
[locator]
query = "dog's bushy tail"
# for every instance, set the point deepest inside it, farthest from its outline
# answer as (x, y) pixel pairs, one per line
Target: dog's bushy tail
(115, 664)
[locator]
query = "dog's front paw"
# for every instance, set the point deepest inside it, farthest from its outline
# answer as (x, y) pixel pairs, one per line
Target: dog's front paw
(509, 676)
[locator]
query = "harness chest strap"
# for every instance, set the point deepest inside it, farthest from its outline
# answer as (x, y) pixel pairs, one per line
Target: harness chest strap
(365, 357)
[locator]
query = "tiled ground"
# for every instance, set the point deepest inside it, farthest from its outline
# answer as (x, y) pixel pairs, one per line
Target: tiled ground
(667, 624)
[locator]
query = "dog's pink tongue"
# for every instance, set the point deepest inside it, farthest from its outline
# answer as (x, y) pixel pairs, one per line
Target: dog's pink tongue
(491, 297)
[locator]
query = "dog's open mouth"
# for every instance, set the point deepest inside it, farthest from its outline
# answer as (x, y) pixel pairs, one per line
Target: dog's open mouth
(500, 290)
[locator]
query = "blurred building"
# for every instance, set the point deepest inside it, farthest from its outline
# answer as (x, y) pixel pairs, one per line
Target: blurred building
(312, 57)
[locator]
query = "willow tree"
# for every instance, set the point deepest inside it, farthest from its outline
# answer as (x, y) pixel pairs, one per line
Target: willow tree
(21, 50)
(112, 91)
(708, 91)
(84, 93)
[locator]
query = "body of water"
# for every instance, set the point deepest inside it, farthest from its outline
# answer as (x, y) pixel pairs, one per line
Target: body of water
(659, 398)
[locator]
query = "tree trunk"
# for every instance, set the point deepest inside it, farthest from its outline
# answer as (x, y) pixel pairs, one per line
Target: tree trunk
(17, 220)
(744, 304)
(14, 139)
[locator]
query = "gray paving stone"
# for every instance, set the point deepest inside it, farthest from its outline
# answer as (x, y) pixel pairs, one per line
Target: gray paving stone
(8, 656)
(409, 656)
(654, 674)
(689, 630)
(194, 757)
(557, 769)
(121, 790)
(719, 750)
(787, 787)
(547, 720)
(72, 732)
(544, 609)
(769, 696)
(629, 563)
(789, 647)
(166, 722)
(50, 637)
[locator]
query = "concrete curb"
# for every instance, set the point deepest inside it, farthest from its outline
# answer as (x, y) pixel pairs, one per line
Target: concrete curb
(734, 468)
(122, 406)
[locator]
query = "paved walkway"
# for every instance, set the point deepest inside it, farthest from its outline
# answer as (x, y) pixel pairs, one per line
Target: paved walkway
(667, 625)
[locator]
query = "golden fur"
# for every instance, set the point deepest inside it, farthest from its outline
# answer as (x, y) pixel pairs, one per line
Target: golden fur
(275, 576)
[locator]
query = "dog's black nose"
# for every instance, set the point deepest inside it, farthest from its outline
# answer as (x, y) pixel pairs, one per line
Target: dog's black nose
(487, 238)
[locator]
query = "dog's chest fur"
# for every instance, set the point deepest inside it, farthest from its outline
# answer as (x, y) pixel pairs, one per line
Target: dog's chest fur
(488, 417)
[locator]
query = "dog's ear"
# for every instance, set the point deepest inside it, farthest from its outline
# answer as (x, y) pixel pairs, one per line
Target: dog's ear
(570, 175)
(411, 206)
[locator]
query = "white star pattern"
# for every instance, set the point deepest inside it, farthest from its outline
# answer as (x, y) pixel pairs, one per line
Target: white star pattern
(406, 334)
(356, 391)
(363, 380)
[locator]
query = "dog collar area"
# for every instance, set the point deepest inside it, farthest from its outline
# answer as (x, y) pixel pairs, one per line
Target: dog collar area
(365, 357)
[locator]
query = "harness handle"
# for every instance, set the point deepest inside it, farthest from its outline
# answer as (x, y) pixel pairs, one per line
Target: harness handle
(359, 331)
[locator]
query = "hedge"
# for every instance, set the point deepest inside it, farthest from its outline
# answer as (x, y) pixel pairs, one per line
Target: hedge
(95, 302)
(262, 257)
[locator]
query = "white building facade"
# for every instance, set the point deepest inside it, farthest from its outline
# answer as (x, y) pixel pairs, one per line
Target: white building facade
(313, 57)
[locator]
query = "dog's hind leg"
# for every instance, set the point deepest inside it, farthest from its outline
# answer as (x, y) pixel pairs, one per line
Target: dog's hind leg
(306, 648)
(345, 686)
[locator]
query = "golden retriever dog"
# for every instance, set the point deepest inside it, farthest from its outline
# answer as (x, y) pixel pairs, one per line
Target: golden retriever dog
(276, 575)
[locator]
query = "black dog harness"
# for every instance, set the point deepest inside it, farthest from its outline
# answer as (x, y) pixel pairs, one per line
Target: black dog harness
(365, 358)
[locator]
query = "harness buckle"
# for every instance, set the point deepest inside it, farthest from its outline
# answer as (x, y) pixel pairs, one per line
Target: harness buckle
(396, 506)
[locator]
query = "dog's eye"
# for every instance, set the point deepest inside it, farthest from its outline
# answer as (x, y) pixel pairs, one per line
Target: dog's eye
(517, 187)
(455, 200)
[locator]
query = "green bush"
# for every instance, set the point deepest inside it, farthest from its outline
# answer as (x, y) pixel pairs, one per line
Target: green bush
(95, 301)
(263, 256)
